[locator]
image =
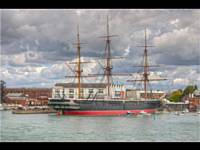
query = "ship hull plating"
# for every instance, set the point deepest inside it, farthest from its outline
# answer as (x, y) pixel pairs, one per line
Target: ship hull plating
(106, 107)
(106, 112)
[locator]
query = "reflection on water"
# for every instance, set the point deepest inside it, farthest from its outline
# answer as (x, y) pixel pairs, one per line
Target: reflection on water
(44, 127)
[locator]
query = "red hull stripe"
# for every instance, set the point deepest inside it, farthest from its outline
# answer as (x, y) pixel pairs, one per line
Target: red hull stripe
(107, 112)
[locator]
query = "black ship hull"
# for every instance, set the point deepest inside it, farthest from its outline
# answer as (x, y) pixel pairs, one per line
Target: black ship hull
(104, 107)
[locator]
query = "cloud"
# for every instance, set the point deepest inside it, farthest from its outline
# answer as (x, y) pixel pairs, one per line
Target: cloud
(33, 39)
(23, 27)
(179, 47)
(181, 81)
(18, 59)
(127, 50)
(175, 22)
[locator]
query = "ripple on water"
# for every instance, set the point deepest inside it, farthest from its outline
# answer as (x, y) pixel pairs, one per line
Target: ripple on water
(163, 127)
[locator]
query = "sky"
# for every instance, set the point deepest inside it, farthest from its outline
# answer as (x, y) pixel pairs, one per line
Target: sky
(37, 44)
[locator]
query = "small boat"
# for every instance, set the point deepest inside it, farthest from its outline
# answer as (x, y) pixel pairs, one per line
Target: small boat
(129, 113)
(46, 111)
(145, 113)
(177, 113)
(32, 110)
(185, 111)
(1, 107)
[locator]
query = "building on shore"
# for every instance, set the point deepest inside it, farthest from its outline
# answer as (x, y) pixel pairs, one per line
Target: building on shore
(140, 94)
(40, 96)
(16, 99)
(27, 96)
(194, 101)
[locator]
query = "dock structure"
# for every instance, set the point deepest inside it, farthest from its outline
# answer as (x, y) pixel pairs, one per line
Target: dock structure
(176, 106)
(33, 111)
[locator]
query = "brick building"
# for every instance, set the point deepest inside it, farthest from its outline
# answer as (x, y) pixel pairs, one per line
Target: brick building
(16, 98)
(28, 96)
(194, 101)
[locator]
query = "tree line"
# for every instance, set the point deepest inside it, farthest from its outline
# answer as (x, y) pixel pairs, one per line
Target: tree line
(176, 96)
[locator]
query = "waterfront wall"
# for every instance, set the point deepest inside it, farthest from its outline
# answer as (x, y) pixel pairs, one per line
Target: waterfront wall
(176, 107)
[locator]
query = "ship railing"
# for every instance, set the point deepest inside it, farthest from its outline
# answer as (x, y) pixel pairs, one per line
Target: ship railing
(62, 103)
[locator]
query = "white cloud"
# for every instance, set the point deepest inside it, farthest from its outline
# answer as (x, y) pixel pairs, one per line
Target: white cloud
(171, 38)
(181, 81)
(80, 12)
(18, 59)
(44, 38)
(179, 46)
(126, 51)
(175, 22)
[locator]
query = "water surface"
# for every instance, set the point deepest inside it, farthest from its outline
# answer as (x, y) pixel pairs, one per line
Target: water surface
(52, 128)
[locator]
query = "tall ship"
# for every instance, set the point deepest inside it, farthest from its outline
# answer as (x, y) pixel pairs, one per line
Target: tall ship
(104, 98)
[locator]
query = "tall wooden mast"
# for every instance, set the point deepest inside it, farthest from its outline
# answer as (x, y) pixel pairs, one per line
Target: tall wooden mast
(108, 67)
(108, 61)
(78, 71)
(146, 68)
(145, 74)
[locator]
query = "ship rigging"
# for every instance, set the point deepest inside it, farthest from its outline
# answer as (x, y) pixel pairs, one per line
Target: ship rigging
(146, 73)
(105, 105)
(107, 74)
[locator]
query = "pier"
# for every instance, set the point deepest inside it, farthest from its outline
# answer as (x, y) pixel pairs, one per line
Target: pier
(176, 106)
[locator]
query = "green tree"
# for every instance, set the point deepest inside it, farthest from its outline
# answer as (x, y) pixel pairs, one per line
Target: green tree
(189, 89)
(176, 96)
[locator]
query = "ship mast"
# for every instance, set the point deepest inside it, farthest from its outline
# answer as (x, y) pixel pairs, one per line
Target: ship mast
(108, 67)
(146, 68)
(78, 71)
(145, 74)
(108, 61)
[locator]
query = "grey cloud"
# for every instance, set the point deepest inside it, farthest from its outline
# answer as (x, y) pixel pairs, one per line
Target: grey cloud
(55, 30)
(46, 37)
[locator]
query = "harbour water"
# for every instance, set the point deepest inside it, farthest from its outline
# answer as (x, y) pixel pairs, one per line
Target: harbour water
(52, 128)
